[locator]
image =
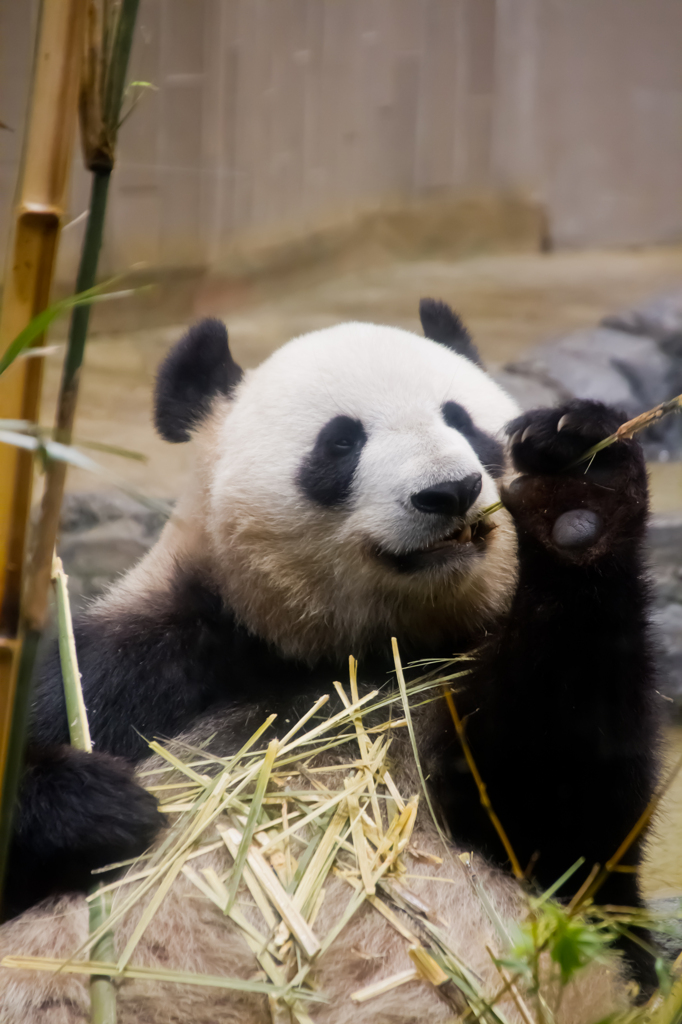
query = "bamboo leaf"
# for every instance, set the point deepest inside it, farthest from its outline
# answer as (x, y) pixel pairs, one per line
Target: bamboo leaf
(111, 449)
(67, 453)
(42, 321)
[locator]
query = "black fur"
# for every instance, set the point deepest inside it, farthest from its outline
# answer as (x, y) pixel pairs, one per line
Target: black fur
(79, 811)
(326, 474)
(441, 324)
(182, 660)
(559, 707)
(197, 369)
(489, 451)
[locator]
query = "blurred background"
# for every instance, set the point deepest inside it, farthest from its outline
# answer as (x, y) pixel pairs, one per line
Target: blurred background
(294, 163)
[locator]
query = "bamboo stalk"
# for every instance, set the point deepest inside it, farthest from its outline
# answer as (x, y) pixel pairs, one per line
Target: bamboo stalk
(379, 988)
(251, 822)
(40, 206)
(79, 730)
(100, 161)
(280, 899)
(102, 989)
(637, 829)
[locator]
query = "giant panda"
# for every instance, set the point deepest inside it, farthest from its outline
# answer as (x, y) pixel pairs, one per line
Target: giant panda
(336, 503)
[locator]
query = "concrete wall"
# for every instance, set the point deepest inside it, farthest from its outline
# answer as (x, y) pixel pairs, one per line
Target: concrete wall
(273, 117)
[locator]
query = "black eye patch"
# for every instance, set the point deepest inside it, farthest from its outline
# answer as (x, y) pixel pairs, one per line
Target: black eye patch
(489, 451)
(326, 474)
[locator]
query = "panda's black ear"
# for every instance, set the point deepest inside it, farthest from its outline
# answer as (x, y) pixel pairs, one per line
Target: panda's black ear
(442, 325)
(197, 369)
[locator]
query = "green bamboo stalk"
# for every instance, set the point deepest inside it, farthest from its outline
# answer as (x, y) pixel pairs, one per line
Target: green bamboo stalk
(102, 988)
(80, 318)
(79, 730)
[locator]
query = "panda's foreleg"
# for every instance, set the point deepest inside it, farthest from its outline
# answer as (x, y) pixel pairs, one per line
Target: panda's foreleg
(560, 708)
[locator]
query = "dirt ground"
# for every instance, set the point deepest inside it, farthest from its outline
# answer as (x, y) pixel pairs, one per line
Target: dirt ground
(509, 302)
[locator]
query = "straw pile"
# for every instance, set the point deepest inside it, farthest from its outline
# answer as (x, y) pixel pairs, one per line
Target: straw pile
(290, 825)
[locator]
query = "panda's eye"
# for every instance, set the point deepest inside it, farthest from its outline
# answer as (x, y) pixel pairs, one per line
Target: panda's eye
(326, 473)
(457, 417)
(342, 444)
(342, 435)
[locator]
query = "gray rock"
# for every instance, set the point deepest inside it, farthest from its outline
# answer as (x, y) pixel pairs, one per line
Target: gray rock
(102, 535)
(659, 318)
(667, 911)
(633, 372)
(81, 510)
(665, 559)
(625, 370)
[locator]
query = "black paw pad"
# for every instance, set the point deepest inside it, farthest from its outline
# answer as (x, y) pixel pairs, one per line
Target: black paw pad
(577, 529)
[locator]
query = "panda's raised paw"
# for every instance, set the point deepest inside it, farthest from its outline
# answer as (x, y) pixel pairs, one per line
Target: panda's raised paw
(578, 510)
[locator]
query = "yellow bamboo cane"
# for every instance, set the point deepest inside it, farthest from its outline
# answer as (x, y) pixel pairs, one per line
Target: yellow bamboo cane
(44, 177)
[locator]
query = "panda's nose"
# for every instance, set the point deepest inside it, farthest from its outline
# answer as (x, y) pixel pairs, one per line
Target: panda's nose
(449, 498)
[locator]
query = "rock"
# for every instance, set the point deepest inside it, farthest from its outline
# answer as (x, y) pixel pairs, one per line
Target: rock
(625, 370)
(632, 372)
(668, 910)
(659, 318)
(665, 557)
(81, 510)
(102, 535)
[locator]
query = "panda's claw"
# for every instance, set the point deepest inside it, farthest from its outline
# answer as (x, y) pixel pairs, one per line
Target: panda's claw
(550, 441)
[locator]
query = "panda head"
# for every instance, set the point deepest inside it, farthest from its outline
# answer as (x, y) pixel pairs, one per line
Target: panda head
(340, 482)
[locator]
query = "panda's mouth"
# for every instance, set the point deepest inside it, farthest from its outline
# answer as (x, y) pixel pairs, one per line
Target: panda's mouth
(457, 546)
